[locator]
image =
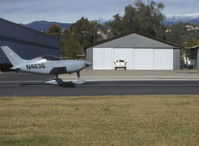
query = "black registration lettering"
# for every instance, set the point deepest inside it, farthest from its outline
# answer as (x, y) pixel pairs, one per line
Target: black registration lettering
(35, 66)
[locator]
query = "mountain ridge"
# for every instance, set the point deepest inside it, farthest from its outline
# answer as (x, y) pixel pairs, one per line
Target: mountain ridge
(192, 18)
(43, 25)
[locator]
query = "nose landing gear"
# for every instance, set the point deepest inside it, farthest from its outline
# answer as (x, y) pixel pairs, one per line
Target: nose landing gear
(78, 81)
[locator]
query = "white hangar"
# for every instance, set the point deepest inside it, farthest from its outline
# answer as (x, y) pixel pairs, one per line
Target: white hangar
(140, 53)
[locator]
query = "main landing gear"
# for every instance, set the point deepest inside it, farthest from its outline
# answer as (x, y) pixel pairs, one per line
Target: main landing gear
(78, 81)
(57, 81)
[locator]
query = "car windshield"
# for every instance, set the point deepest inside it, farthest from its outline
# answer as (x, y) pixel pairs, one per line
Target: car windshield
(50, 58)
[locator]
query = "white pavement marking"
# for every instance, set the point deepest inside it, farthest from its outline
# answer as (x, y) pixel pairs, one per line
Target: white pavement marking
(162, 79)
(21, 81)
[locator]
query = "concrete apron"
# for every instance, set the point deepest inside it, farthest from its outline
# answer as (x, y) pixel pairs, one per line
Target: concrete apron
(129, 75)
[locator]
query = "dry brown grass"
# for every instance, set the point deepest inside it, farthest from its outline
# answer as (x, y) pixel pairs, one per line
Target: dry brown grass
(111, 120)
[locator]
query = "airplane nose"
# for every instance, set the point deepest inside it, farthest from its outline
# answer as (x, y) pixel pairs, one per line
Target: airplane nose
(88, 63)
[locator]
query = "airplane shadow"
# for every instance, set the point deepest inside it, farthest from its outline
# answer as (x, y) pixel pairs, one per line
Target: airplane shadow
(64, 84)
(67, 84)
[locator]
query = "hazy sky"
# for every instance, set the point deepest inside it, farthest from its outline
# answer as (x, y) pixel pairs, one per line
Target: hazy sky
(26, 11)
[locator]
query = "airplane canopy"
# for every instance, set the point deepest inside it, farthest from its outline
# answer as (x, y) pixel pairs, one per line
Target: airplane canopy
(49, 57)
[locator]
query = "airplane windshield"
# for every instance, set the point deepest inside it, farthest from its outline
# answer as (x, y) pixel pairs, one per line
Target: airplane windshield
(50, 58)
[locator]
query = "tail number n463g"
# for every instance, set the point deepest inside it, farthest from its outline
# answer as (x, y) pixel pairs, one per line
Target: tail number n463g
(35, 66)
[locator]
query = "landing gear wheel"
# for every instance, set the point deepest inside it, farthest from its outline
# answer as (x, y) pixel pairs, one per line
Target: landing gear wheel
(78, 81)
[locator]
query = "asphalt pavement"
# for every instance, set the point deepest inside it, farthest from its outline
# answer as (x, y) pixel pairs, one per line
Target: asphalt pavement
(24, 84)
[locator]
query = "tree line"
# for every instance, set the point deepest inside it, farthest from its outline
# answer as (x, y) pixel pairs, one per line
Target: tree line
(144, 18)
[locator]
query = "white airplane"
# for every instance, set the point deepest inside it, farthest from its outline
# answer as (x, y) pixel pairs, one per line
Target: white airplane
(46, 65)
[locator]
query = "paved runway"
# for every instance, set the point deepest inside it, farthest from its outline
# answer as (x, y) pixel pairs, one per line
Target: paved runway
(12, 84)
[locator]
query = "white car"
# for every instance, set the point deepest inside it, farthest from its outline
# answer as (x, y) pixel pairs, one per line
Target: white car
(120, 64)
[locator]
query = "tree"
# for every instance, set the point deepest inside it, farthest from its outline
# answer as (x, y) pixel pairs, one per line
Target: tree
(175, 36)
(188, 45)
(142, 18)
(118, 26)
(54, 30)
(81, 34)
(84, 31)
(70, 48)
(180, 35)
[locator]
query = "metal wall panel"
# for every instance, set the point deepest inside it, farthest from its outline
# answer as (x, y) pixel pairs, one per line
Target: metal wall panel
(98, 55)
(102, 58)
(163, 59)
(176, 59)
(143, 59)
(197, 60)
(108, 58)
(89, 54)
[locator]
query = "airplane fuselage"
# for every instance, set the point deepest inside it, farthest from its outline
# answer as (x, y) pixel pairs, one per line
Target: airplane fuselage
(43, 66)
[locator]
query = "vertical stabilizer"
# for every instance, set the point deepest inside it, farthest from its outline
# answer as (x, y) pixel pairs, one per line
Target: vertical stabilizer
(12, 56)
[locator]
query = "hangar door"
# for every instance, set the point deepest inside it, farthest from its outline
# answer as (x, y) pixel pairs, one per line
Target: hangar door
(153, 59)
(137, 58)
(143, 59)
(103, 58)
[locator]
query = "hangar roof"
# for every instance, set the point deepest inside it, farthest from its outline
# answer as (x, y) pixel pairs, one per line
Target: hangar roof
(20, 33)
(194, 47)
(135, 40)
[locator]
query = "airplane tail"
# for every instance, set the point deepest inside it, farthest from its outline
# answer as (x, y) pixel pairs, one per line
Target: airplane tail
(12, 56)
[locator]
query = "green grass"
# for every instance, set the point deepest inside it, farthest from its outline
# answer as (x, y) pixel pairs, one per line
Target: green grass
(108, 120)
